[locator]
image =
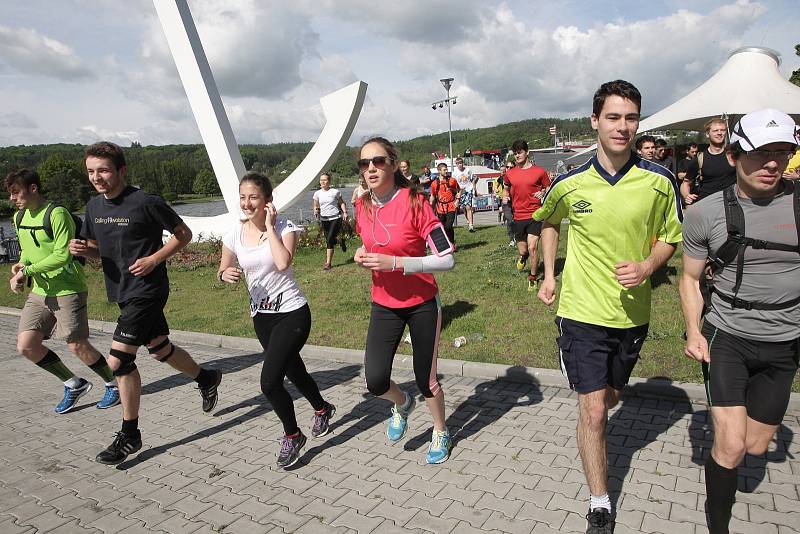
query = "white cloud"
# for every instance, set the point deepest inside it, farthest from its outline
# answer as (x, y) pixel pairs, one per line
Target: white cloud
(91, 134)
(31, 53)
(556, 72)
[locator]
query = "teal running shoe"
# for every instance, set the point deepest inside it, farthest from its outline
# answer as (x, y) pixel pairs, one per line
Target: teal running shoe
(398, 422)
(439, 451)
(110, 398)
(71, 396)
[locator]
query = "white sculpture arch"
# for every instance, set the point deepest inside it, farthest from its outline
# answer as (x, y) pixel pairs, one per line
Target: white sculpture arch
(341, 109)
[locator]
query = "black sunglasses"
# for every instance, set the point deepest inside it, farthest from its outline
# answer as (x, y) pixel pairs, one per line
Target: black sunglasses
(379, 162)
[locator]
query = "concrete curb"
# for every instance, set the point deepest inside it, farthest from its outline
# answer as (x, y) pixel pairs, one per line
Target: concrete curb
(640, 387)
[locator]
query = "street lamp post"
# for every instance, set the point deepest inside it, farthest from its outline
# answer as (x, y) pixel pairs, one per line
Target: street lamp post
(447, 83)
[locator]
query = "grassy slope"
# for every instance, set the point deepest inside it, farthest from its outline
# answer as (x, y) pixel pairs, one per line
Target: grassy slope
(483, 294)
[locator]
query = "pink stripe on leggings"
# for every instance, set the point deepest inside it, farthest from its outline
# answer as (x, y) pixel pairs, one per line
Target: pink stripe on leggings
(433, 382)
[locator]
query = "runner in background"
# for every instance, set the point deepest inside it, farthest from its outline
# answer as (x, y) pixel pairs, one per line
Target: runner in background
(329, 209)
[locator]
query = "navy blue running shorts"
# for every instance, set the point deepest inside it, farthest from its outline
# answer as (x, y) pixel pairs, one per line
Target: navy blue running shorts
(593, 357)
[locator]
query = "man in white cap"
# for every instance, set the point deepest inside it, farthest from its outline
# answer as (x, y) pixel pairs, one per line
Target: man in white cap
(747, 235)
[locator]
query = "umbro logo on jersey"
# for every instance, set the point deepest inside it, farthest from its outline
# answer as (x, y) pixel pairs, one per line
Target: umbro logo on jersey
(772, 124)
(581, 206)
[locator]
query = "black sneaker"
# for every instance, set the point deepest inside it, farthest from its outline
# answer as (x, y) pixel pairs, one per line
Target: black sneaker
(209, 393)
(322, 421)
(290, 450)
(599, 521)
(120, 448)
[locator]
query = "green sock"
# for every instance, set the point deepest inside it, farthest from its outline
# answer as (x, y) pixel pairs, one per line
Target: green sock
(101, 368)
(53, 365)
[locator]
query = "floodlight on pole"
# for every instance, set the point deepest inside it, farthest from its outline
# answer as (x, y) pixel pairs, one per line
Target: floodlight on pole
(447, 83)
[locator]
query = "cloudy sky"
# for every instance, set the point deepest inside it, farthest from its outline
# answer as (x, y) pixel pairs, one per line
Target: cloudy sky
(76, 71)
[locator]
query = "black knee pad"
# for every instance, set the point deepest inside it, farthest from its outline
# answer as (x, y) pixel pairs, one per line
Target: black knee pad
(160, 346)
(127, 365)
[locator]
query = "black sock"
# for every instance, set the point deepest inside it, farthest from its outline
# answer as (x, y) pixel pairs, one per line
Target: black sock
(130, 427)
(103, 370)
(53, 365)
(721, 484)
(205, 378)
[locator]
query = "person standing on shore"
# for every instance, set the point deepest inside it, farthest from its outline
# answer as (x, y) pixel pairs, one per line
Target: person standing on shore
(124, 228)
(329, 209)
(395, 224)
(624, 223)
(57, 301)
(360, 190)
(263, 246)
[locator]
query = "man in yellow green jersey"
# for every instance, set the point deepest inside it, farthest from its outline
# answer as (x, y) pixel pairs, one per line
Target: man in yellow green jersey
(624, 223)
(57, 301)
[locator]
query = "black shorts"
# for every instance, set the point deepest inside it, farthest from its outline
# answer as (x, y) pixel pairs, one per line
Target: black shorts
(141, 320)
(754, 374)
(593, 357)
(526, 227)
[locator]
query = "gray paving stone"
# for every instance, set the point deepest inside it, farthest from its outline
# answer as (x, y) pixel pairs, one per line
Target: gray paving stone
(519, 472)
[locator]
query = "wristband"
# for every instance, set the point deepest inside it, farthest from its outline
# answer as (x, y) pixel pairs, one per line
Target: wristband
(219, 276)
(394, 263)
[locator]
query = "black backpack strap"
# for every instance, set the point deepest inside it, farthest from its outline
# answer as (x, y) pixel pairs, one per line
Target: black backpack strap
(736, 302)
(18, 218)
(797, 212)
(47, 223)
(734, 223)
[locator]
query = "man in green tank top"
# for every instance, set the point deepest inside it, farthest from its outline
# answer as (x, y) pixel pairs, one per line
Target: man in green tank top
(57, 300)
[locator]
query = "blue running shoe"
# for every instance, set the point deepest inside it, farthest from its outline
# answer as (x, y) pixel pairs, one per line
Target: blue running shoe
(439, 451)
(398, 422)
(110, 398)
(71, 396)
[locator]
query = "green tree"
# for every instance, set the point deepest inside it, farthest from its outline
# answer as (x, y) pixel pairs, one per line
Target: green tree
(795, 78)
(205, 183)
(64, 182)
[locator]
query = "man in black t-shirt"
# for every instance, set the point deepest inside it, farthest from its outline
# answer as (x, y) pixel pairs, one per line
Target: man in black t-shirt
(711, 172)
(683, 164)
(124, 228)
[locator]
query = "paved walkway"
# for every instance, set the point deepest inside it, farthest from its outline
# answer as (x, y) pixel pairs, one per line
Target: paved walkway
(514, 468)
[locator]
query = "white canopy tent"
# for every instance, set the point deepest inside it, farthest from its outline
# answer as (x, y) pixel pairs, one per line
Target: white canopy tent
(748, 81)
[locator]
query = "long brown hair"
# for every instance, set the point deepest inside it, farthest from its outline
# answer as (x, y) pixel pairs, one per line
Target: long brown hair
(399, 180)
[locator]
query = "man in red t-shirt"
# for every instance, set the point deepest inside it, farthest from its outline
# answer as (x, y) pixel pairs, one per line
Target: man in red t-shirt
(525, 185)
(444, 190)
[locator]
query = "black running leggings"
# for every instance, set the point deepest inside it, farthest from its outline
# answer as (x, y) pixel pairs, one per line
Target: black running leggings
(282, 359)
(331, 230)
(386, 327)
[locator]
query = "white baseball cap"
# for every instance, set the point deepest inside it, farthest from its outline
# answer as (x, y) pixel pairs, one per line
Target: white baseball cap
(763, 127)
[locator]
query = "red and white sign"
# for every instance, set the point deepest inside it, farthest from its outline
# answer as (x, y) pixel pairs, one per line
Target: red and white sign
(552, 130)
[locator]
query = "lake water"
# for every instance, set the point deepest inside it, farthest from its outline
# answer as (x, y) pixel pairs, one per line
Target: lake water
(301, 210)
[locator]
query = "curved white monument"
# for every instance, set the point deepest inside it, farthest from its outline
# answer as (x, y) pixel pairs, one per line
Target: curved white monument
(341, 109)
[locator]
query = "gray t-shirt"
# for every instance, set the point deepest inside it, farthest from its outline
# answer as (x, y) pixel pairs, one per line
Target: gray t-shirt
(768, 276)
